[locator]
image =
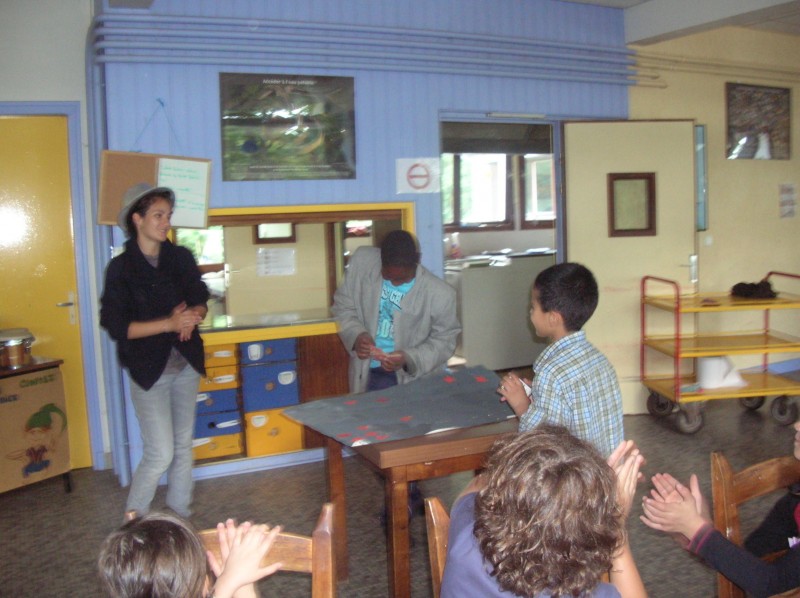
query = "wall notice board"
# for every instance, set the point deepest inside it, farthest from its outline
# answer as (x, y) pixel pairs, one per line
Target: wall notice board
(189, 178)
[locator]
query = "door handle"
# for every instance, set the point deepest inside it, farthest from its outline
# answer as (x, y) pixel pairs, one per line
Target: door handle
(692, 265)
(70, 304)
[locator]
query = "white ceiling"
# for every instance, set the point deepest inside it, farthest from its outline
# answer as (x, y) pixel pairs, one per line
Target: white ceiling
(648, 21)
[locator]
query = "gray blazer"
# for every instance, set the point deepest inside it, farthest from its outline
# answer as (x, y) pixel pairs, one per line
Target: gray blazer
(425, 328)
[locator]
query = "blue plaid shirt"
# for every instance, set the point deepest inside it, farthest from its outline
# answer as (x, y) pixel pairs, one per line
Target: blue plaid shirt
(575, 386)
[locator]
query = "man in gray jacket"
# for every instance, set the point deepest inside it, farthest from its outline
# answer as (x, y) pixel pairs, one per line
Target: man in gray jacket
(396, 318)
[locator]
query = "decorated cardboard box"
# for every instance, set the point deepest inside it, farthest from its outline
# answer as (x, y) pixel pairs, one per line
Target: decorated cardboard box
(33, 428)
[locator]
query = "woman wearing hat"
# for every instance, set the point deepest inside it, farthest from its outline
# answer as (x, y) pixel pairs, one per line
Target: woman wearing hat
(152, 302)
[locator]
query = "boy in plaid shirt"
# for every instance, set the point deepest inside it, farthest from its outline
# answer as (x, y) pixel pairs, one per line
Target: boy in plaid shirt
(574, 384)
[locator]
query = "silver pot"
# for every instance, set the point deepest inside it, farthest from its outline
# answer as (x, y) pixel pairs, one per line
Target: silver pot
(15, 347)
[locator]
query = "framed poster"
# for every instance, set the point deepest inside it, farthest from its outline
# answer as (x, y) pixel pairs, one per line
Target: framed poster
(278, 127)
(757, 122)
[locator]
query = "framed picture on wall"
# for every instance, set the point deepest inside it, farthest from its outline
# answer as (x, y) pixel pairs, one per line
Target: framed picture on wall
(758, 122)
(278, 127)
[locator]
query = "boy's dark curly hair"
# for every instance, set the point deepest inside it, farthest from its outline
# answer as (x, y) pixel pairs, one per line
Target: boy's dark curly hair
(547, 519)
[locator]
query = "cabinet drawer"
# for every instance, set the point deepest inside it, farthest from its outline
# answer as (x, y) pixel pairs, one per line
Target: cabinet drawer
(283, 349)
(220, 378)
(218, 355)
(217, 446)
(217, 424)
(270, 432)
(268, 386)
(217, 400)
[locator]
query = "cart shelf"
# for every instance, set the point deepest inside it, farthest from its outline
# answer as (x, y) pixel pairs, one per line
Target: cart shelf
(710, 345)
(759, 384)
(714, 302)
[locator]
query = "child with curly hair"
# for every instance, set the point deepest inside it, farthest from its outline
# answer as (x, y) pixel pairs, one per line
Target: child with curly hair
(545, 519)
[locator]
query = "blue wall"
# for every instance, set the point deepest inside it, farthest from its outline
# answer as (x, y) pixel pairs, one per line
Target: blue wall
(414, 63)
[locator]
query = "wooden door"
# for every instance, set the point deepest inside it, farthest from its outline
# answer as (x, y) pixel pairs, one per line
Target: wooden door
(593, 150)
(37, 259)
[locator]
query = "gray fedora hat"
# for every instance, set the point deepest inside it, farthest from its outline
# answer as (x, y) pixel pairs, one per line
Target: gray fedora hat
(137, 192)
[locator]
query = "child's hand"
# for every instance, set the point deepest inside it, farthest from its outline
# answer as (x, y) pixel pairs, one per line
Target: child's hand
(665, 489)
(244, 548)
(512, 390)
(626, 461)
(682, 515)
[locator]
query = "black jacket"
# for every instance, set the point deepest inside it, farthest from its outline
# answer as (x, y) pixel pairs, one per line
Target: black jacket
(134, 291)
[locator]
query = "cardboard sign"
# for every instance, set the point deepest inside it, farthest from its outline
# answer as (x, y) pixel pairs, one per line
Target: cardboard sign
(33, 428)
(189, 178)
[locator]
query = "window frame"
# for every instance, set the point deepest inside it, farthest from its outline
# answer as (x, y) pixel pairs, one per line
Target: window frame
(504, 225)
(524, 223)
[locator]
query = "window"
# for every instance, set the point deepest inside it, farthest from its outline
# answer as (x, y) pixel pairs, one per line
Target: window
(538, 191)
(476, 193)
(496, 174)
(207, 246)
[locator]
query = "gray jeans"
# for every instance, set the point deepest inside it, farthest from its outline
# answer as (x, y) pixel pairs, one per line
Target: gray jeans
(166, 419)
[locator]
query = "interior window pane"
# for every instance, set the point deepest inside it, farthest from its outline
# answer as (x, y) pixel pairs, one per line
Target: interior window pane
(448, 200)
(539, 187)
(207, 245)
(482, 188)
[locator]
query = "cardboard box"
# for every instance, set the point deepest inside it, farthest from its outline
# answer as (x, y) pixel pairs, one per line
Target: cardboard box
(270, 432)
(219, 378)
(269, 386)
(282, 349)
(217, 446)
(217, 400)
(34, 443)
(217, 355)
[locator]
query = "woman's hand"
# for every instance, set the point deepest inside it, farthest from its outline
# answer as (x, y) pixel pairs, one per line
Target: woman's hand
(183, 321)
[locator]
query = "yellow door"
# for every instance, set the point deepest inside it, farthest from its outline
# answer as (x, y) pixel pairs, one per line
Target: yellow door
(37, 257)
(592, 151)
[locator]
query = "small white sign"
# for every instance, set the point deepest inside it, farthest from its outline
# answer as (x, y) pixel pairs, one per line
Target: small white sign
(278, 261)
(417, 175)
(788, 200)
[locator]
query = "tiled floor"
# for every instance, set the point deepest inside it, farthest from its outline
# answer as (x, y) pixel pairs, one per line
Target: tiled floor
(49, 539)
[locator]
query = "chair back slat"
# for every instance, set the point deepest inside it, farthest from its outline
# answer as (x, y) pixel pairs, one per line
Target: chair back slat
(437, 522)
(302, 554)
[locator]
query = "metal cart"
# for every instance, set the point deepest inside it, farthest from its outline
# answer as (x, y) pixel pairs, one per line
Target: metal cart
(681, 390)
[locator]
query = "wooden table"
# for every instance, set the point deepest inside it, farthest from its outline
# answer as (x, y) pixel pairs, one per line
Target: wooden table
(401, 462)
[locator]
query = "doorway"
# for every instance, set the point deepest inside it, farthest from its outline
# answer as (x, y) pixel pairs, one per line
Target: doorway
(55, 267)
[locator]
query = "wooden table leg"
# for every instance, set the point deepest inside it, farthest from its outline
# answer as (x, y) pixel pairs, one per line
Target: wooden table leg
(396, 488)
(336, 496)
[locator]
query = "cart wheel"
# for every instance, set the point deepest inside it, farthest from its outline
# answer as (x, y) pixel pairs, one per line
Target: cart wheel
(658, 405)
(752, 403)
(783, 410)
(689, 423)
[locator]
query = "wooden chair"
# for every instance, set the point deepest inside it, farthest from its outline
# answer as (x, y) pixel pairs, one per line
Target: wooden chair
(437, 523)
(729, 490)
(303, 554)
